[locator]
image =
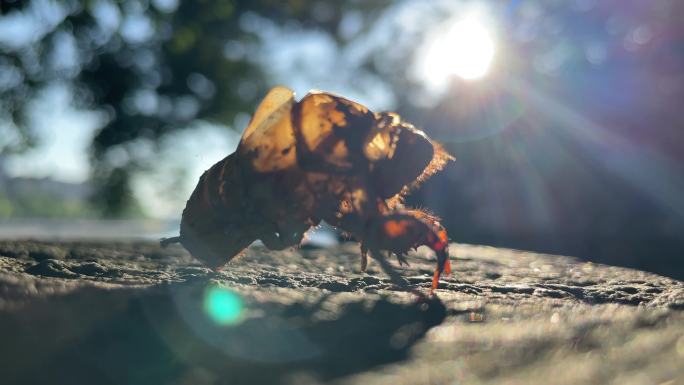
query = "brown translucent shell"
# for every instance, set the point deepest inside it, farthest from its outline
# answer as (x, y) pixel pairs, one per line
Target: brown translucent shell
(322, 158)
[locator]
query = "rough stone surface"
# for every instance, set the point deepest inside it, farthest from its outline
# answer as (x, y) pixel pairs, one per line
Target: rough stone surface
(133, 313)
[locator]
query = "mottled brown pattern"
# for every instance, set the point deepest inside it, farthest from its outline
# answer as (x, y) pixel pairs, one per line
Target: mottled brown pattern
(324, 158)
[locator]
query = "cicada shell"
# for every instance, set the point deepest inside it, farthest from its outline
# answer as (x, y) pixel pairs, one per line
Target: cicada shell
(323, 158)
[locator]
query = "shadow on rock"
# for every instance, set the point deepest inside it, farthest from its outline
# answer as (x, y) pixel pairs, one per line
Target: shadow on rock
(164, 335)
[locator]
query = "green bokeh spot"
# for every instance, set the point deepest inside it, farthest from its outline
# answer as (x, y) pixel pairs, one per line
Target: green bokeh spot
(222, 306)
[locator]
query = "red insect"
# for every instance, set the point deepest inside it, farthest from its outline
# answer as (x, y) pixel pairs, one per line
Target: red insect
(322, 158)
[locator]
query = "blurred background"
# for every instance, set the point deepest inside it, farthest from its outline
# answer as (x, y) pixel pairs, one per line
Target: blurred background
(565, 116)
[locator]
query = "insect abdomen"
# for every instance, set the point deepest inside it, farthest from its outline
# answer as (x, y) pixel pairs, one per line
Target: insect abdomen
(214, 205)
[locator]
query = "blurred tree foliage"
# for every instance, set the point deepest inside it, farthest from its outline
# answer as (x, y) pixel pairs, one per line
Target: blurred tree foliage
(44, 205)
(151, 67)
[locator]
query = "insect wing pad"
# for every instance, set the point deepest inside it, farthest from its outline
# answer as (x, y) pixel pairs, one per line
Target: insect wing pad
(331, 132)
(268, 140)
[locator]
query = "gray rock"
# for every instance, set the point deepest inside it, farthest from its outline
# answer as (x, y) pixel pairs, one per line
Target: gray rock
(132, 313)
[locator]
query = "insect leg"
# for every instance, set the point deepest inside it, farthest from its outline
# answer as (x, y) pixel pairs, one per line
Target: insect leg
(364, 258)
(394, 275)
(403, 230)
(401, 258)
(443, 264)
(274, 241)
(279, 236)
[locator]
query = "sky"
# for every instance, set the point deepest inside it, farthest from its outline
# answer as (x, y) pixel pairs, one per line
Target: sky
(64, 135)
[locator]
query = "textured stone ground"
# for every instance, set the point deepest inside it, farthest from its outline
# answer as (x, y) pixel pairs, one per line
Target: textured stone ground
(132, 313)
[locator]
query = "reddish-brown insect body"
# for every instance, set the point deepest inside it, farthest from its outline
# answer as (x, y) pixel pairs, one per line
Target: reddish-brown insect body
(324, 158)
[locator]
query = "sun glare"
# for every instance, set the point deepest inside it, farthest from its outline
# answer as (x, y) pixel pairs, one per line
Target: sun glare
(464, 49)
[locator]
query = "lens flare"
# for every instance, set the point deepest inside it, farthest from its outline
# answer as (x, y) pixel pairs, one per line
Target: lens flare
(222, 305)
(464, 48)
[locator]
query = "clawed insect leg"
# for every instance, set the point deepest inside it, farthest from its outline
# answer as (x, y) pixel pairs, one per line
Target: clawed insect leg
(394, 275)
(443, 265)
(364, 258)
(401, 258)
(275, 241)
(403, 230)
(278, 241)
(282, 239)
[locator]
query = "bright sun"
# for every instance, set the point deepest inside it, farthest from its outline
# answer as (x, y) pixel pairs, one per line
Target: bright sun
(465, 49)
